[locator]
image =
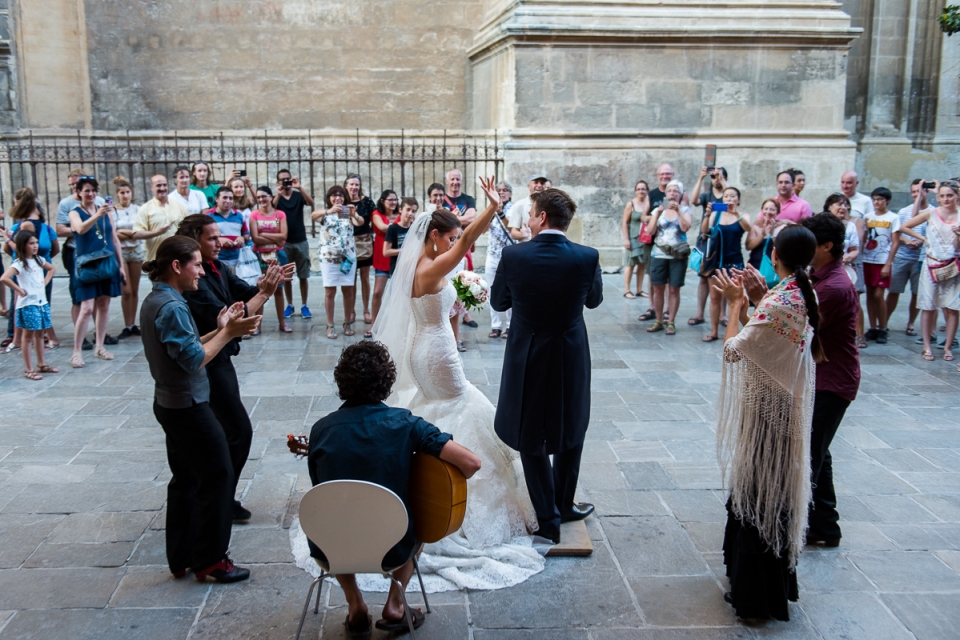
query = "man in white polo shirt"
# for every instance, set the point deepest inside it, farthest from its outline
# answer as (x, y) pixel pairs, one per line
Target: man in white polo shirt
(860, 203)
(520, 212)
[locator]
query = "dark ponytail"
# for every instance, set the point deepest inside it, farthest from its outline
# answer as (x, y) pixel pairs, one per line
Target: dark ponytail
(174, 248)
(796, 246)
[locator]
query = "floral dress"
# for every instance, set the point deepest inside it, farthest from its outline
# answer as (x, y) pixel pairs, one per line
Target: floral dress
(336, 247)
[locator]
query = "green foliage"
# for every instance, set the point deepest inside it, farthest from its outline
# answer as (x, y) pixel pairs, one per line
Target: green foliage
(950, 19)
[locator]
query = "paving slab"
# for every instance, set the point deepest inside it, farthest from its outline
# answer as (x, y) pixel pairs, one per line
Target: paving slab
(57, 588)
(101, 624)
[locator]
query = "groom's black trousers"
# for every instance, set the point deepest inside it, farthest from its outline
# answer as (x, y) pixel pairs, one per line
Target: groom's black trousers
(551, 488)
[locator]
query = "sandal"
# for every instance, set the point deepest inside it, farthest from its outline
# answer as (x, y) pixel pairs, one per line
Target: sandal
(695, 321)
(103, 354)
(947, 355)
(367, 318)
(671, 328)
(348, 329)
(460, 347)
(362, 633)
(910, 331)
(399, 626)
(649, 314)
(285, 328)
(642, 294)
(927, 355)
(710, 338)
(495, 333)
(861, 342)
(656, 326)
(77, 362)
(368, 334)
(10, 348)
(45, 368)
(506, 334)
(332, 331)
(32, 375)
(629, 295)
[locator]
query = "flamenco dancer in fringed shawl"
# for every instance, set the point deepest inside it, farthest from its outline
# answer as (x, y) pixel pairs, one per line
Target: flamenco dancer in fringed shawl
(763, 434)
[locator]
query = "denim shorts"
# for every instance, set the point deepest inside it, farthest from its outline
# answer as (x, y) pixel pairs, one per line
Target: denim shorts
(381, 274)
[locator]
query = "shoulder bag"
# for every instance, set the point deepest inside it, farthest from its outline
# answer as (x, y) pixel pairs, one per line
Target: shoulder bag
(100, 264)
(766, 267)
(713, 249)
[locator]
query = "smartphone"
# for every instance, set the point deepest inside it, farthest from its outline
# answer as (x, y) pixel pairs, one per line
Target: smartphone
(243, 173)
(710, 159)
(720, 206)
(108, 201)
(929, 185)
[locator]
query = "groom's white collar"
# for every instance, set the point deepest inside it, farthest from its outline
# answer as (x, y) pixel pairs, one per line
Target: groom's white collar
(556, 231)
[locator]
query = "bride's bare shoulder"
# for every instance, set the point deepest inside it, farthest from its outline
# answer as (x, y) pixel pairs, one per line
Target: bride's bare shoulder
(423, 283)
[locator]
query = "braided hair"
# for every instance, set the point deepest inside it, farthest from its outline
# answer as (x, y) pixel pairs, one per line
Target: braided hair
(796, 246)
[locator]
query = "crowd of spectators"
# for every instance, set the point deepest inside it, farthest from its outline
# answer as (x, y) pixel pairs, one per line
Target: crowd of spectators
(884, 250)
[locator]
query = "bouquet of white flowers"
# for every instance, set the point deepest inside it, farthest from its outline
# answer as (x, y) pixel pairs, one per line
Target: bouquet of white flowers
(472, 290)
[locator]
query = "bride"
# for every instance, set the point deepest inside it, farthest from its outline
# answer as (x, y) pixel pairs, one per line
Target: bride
(492, 550)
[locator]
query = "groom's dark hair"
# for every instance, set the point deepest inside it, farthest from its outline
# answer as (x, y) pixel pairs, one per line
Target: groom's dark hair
(365, 373)
(558, 206)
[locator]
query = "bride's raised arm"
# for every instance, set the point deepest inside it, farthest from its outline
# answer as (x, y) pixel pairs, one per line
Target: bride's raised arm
(447, 262)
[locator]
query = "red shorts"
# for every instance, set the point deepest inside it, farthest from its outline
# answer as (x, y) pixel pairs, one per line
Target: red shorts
(872, 278)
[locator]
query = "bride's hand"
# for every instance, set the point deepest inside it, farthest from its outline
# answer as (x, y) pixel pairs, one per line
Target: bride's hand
(489, 187)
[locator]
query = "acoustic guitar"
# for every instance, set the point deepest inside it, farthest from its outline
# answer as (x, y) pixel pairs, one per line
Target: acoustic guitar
(437, 493)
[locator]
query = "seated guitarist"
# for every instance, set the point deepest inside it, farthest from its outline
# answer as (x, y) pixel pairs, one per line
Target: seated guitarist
(367, 440)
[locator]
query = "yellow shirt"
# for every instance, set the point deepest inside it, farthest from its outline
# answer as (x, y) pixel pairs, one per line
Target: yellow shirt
(153, 215)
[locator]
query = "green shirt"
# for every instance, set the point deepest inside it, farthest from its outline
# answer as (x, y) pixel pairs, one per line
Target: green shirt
(210, 191)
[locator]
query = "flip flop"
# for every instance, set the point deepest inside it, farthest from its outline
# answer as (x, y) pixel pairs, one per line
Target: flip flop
(629, 295)
(401, 625)
(927, 355)
(358, 634)
(695, 321)
(911, 331)
(710, 338)
(642, 294)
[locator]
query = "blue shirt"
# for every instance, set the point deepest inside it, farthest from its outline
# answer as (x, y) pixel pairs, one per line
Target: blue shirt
(374, 443)
(46, 236)
(231, 227)
(175, 331)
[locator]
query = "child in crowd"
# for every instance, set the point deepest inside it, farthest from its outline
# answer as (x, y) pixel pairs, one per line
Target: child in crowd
(398, 231)
(33, 310)
(881, 241)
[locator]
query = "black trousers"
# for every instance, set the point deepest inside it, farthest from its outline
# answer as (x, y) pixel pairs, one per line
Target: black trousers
(200, 493)
(828, 411)
(231, 414)
(551, 487)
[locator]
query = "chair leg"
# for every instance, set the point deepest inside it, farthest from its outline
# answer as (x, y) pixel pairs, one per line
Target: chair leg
(316, 609)
(406, 609)
(416, 565)
(306, 604)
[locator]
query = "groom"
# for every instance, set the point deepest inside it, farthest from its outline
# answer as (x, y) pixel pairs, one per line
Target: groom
(544, 405)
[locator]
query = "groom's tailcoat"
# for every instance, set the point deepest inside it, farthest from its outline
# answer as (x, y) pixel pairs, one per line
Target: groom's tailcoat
(545, 386)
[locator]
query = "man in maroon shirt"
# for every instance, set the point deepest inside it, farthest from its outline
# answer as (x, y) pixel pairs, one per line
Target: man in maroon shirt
(838, 379)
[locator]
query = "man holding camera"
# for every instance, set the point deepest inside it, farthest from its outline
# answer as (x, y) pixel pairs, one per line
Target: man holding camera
(291, 199)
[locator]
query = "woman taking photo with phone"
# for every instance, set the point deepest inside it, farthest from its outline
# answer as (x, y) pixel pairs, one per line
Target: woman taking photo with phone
(338, 256)
(732, 225)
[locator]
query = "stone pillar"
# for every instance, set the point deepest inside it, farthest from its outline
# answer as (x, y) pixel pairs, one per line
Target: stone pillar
(597, 95)
(51, 42)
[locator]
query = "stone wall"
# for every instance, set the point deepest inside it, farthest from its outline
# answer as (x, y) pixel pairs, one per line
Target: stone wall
(240, 64)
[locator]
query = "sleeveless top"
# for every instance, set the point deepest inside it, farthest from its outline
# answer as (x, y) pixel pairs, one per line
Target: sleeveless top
(732, 235)
(636, 249)
(939, 238)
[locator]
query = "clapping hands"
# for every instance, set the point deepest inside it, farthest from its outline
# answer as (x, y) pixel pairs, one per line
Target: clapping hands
(275, 276)
(730, 286)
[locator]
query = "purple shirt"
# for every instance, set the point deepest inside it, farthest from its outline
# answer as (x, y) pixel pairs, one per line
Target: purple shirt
(839, 307)
(795, 209)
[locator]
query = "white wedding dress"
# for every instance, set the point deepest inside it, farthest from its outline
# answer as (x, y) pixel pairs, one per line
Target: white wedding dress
(492, 550)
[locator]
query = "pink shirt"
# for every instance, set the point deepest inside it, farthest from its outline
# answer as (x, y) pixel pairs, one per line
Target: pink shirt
(795, 209)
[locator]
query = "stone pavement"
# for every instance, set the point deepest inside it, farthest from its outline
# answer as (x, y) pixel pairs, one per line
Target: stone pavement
(83, 473)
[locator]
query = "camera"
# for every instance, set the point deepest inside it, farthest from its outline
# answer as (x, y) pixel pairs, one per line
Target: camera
(287, 183)
(929, 185)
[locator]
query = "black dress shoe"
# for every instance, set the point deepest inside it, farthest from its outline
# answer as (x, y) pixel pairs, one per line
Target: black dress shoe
(87, 345)
(579, 511)
(223, 572)
(135, 330)
(240, 514)
(821, 541)
(551, 534)
(109, 339)
(126, 333)
(470, 323)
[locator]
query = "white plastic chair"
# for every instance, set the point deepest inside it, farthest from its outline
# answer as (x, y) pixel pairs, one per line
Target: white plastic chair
(355, 523)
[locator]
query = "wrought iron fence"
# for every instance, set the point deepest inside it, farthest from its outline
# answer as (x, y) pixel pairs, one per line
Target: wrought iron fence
(406, 164)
